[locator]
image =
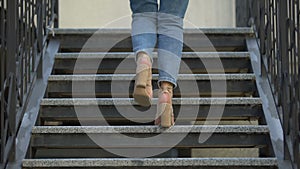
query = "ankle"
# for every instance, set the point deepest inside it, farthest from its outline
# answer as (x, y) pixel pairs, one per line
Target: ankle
(143, 58)
(166, 85)
(166, 92)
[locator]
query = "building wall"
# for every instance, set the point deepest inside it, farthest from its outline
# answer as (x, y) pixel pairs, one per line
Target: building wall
(116, 13)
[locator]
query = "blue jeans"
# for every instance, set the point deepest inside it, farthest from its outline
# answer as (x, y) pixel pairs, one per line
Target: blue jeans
(163, 25)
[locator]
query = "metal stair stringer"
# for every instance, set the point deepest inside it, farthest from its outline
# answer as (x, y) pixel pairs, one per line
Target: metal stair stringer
(268, 104)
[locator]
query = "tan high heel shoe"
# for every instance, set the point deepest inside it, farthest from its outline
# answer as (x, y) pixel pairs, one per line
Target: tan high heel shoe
(142, 93)
(164, 116)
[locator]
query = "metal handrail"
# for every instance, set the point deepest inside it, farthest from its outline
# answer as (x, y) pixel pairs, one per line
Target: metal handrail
(276, 23)
(23, 33)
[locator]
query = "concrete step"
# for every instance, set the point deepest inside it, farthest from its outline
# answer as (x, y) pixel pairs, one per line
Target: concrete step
(134, 163)
(121, 85)
(99, 40)
(179, 136)
(177, 129)
(121, 111)
(129, 101)
(123, 62)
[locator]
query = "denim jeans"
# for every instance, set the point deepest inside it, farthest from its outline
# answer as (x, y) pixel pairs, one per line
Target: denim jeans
(162, 25)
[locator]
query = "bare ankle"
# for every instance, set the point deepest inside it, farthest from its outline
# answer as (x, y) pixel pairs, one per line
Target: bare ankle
(143, 55)
(165, 84)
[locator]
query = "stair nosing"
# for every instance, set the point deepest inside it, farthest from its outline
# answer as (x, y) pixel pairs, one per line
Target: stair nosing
(123, 55)
(105, 77)
(263, 129)
(114, 162)
(130, 101)
(239, 30)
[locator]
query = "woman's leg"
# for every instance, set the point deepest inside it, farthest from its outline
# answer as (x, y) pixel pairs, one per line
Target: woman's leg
(144, 36)
(170, 43)
(170, 38)
(144, 25)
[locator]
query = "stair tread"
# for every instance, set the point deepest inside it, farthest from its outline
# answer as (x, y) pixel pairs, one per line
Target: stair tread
(116, 162)
(203, 39)
(98, 77)
(130, 101)
(262, 129)
(123, 55)
(240, 30)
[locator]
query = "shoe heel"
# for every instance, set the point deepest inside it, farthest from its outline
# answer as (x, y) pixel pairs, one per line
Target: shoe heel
(166, 115)
(141, 97)
(142, 75)
(140, 94)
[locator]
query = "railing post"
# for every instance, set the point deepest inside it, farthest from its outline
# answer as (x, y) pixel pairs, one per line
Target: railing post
(2, 77)
(11, 68)
(40, 21)
(56, 12)
(283, 42)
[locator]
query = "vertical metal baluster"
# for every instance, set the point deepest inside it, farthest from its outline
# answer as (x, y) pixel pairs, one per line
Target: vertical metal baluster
(56, 13)
(298, 77)
(2, 74)
(284, 70)
(11, 62)
(291, 75)
(296, 114)
(268, 34)
(33, 32)
(279, 59)
(275, 60)
(27, 49)
(48, 12)
(22, 64)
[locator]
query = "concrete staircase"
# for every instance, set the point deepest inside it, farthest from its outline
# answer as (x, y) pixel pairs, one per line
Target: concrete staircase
(88, 114)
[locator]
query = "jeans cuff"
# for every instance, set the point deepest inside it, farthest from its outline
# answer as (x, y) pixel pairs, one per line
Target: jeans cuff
(167, 79)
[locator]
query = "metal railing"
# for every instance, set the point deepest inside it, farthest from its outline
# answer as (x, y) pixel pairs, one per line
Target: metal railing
(276, 23)
(24, 28)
